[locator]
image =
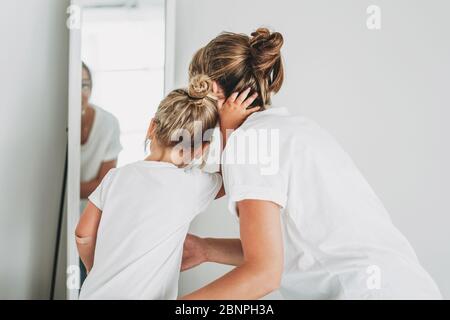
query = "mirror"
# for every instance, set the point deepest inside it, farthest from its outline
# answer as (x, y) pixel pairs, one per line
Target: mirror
(124, 73)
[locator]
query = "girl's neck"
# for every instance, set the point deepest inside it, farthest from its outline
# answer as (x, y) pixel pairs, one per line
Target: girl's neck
(160, 154)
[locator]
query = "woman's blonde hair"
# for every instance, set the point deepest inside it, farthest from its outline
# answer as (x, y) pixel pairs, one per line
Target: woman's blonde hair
(238, 61)
(191, 112)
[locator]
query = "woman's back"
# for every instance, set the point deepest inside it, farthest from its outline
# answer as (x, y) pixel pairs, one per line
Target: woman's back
(337, 232)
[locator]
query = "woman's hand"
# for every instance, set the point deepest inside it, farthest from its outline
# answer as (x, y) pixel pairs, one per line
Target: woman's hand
(194, 252)
(233, 111)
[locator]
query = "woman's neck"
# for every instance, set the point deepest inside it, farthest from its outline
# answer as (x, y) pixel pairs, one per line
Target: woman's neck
(87, 120)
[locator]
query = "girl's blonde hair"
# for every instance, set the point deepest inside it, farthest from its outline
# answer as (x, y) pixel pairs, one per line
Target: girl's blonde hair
(238, 61)
(191, 112)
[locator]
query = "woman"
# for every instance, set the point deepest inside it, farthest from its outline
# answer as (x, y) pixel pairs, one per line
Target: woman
(100, 140)
(313, 228)
(100, 145)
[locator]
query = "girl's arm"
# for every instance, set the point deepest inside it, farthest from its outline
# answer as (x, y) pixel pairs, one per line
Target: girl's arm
(233, 112)
(198, 250)
(262, 266)
(86, 234)
(86, 188)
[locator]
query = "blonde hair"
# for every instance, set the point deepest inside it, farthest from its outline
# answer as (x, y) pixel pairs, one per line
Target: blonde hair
(192, 111)
(238, 61)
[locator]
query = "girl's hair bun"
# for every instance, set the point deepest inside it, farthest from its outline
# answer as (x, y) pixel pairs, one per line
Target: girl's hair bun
(200, 86)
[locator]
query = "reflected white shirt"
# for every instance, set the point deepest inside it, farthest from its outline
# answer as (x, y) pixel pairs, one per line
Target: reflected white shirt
(103, 144)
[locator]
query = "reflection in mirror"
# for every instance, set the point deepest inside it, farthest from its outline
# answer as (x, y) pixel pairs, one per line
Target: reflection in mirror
(122, 83)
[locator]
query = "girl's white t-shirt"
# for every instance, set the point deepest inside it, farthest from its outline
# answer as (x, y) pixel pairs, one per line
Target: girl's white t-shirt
(339, 241)
(146, 208)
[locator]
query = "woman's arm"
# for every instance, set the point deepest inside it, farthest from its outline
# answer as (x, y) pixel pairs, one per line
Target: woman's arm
(87, 188)
(262, 266)
(86, 234)
(224, 251)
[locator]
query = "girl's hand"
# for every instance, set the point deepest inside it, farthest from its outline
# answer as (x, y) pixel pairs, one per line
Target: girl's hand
(233, 111)
(194, 252)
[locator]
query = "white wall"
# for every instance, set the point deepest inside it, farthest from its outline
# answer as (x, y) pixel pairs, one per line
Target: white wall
(33, 120)
(383, 94)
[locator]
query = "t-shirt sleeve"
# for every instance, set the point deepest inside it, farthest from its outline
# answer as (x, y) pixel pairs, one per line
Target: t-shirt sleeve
(245, 180)
(98, 197)
(114, 147)
(206, 188)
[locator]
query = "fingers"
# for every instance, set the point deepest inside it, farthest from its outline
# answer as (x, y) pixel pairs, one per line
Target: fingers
(250, 111)
(233, 96)
(247, 103)
(241, 98)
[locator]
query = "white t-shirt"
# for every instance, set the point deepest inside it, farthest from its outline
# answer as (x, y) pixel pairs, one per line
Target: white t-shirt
(146, 208)
(339, 241)
(103, 144)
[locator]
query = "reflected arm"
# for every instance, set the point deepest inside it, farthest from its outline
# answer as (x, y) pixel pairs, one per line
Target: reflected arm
(86, 188)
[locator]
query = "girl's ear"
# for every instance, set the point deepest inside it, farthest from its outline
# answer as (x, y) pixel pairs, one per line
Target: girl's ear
(151, 129)
(218, 91)
(201, 151)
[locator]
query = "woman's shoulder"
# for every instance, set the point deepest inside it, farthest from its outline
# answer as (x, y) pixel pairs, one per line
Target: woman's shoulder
(277, 118)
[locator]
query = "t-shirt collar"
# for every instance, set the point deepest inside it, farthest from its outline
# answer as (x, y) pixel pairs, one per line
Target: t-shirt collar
(158, 164)
(276, 110)
(282, 111)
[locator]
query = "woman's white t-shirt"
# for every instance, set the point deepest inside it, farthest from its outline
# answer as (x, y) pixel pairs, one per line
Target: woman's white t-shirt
(339, 241)
(103, 144)
(146, 208)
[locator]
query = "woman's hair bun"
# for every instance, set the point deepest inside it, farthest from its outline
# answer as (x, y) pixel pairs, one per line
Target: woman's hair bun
(200, 86)
(265, 49)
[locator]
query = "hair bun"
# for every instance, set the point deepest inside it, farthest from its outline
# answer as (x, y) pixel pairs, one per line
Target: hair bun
(259, 34)
(200, 86)
(265, 49)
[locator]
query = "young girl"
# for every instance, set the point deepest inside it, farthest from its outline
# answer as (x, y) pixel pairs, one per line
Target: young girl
(130, 236)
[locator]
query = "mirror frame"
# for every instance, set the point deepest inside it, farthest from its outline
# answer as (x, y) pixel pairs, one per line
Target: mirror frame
(74, 126)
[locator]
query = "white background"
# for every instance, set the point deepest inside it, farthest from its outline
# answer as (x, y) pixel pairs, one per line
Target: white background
(383, 94)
